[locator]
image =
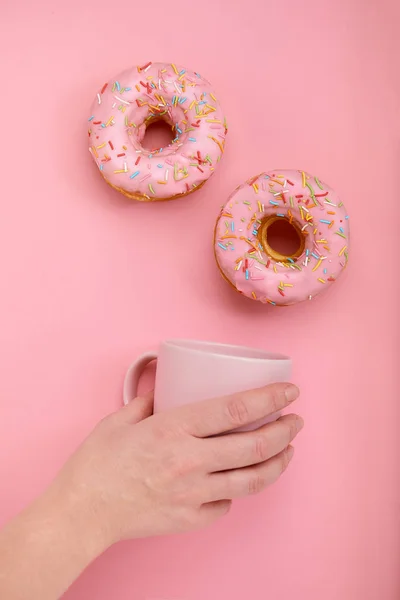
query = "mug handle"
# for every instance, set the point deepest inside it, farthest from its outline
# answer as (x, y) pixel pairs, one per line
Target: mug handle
(134, 373)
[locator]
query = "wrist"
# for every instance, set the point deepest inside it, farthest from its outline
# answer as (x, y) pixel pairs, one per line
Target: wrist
(55, 539)
(77, 521)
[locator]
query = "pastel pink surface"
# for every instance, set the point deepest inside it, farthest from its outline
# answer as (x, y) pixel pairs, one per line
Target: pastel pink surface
(90, 280)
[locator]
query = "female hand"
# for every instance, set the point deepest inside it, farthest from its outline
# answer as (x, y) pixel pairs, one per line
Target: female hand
(139, 474)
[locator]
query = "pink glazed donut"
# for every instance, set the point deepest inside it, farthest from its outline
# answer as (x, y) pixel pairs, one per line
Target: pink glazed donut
(315, 216)
(126, 105)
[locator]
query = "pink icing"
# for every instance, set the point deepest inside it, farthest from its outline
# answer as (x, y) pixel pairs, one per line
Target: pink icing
(127, 104)
(297, 197)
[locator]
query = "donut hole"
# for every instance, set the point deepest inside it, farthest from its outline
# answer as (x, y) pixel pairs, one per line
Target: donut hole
(158, 134)
(283, 238)
(280, 238)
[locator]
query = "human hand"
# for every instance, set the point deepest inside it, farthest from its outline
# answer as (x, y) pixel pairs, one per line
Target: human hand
(139, 474)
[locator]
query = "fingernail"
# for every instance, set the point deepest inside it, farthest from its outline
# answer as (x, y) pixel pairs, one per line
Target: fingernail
(299, 424)
(290, 452)
(291, 393)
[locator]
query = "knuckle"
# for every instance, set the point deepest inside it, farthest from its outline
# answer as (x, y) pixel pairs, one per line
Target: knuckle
(180, 465)
(256, 484)
(237, 411)
(275, 399)
(293, 429)
(230, 485)
(261, 448)
(163, 429)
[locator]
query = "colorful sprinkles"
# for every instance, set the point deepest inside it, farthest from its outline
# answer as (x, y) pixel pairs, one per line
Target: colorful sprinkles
(127, 105)
(259, 271)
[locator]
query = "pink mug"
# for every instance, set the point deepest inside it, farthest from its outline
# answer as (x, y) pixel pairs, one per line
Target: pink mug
(191, 370)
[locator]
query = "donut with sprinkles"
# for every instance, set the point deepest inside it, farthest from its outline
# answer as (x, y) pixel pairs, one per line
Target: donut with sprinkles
(125, 106)
(243, 244)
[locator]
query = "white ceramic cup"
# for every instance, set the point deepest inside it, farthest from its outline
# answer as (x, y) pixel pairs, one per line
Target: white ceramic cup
(191, 370)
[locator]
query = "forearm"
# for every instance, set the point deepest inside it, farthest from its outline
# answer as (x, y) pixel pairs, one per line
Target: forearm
(46, 547)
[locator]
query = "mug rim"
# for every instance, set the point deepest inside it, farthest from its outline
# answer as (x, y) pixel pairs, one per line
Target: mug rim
(200, 347)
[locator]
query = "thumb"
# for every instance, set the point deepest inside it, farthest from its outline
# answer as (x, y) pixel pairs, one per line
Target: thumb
(138, 409)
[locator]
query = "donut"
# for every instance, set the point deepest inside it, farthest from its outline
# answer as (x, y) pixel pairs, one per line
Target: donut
(125, 106)
(319, 226)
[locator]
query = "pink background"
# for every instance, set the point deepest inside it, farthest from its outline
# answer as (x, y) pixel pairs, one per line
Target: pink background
(88, 280)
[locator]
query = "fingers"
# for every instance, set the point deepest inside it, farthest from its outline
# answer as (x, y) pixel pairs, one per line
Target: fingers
(211, 511)
(250, 480)
(237, 450)
(211, 417)
(138, 409)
